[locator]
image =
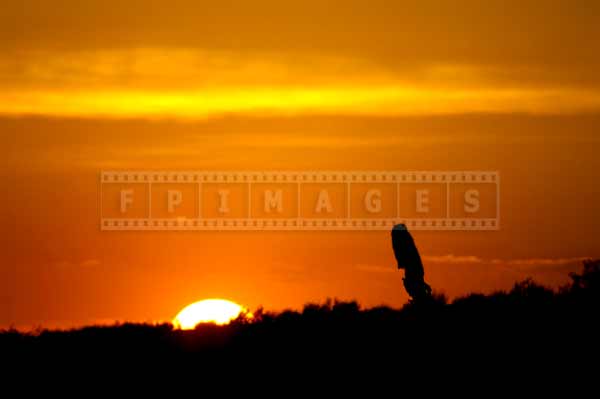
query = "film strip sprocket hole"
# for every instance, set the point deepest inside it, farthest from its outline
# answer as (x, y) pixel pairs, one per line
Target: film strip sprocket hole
(299, 200)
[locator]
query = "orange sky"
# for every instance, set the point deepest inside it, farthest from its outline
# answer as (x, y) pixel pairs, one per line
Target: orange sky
(180, 85)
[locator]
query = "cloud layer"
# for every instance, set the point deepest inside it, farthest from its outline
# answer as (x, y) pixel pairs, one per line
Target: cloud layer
(192, 60)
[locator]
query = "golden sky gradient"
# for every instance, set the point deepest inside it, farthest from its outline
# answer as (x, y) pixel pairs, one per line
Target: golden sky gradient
(271, 85)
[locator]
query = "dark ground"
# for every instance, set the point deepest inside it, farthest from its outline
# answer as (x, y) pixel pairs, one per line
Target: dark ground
(528, 331)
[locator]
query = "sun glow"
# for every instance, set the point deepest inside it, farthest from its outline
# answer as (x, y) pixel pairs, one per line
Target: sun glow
(218, 311)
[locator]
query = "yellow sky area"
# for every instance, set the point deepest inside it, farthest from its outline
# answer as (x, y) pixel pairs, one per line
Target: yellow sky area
(190, 84)
(378, 101)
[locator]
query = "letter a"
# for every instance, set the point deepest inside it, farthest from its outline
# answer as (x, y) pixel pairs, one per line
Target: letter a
(323, 202)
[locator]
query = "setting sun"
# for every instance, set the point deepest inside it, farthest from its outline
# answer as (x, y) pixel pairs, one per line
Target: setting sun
(218, 311)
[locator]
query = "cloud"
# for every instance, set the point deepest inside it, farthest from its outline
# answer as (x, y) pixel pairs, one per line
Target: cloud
(470, 259)
(90, 263)
(394, 33)
(450, 259)
(546, 261)
(281, 101)
(186, 59)
(67, 264)
(371, 268)
(196, 83)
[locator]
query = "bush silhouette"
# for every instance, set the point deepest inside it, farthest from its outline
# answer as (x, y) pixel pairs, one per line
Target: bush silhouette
(529, 320)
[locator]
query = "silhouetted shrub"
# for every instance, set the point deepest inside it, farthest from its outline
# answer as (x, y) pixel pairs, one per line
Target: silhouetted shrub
(477, 326)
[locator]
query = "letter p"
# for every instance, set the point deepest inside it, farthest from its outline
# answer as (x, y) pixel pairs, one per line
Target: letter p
(174, 199)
